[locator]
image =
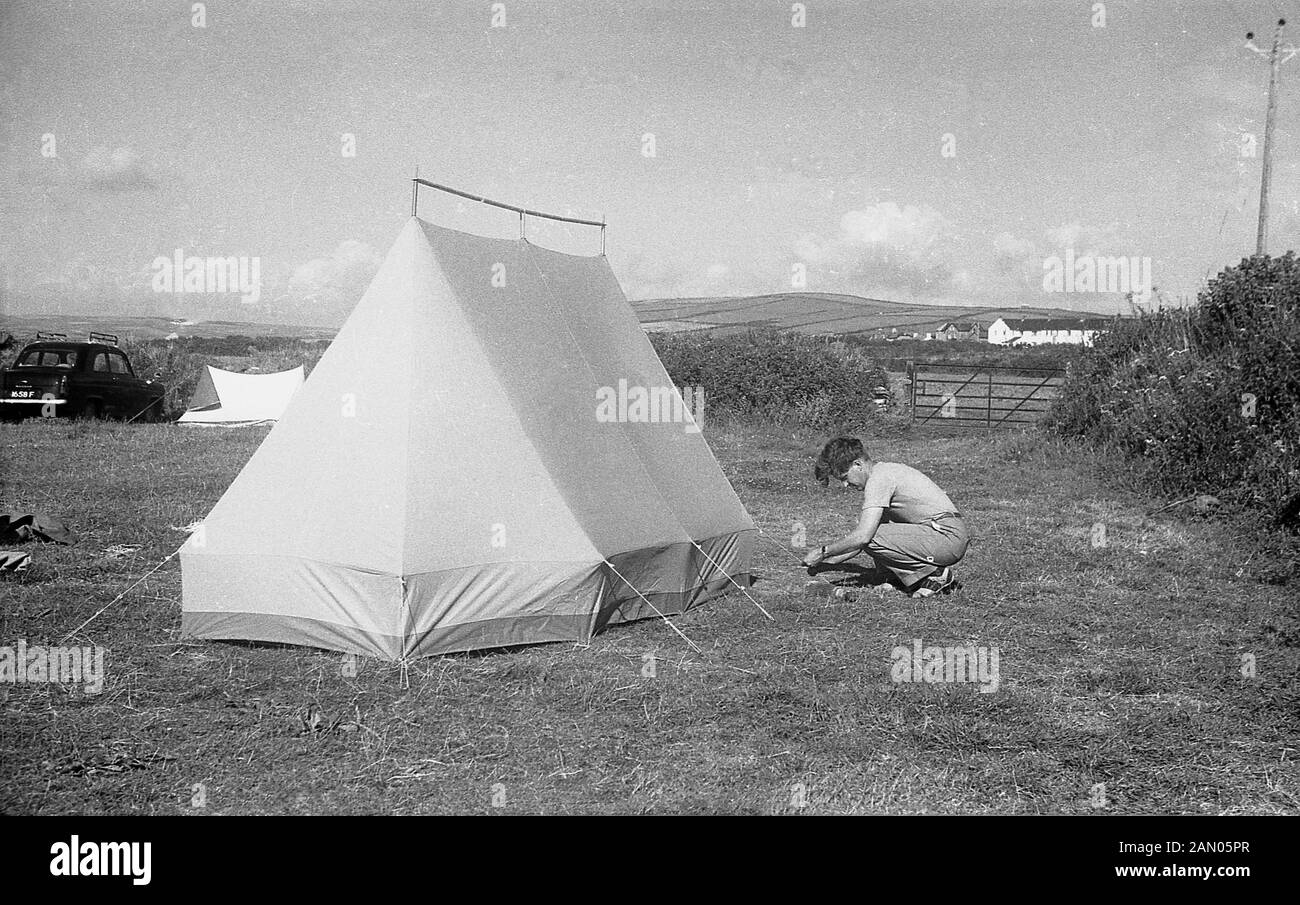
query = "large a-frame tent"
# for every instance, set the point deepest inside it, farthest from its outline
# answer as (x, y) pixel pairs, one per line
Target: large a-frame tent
(443, 482)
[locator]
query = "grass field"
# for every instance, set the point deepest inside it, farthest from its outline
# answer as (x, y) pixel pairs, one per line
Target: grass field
(1122, 686)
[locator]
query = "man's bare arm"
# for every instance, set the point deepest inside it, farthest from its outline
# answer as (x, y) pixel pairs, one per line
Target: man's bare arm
(852, 543)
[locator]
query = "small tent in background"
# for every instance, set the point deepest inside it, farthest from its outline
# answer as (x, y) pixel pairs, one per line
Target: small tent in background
(444, 480)
(225, 397)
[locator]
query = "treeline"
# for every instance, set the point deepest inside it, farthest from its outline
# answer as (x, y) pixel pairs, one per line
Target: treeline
(241, 346)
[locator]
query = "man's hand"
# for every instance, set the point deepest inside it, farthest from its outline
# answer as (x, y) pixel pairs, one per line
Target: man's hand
(815, 557)
(856, 541)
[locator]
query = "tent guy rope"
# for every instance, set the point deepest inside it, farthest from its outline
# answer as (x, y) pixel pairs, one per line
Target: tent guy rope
(120, 596)
(733, 581)
(695, 647)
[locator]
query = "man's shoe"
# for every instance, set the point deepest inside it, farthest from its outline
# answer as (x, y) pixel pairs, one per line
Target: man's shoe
(940, 582)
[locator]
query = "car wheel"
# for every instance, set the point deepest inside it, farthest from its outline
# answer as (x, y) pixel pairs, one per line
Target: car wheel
(91, 410)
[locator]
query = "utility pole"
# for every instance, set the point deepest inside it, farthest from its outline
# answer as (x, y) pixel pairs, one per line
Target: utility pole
(1261, 237)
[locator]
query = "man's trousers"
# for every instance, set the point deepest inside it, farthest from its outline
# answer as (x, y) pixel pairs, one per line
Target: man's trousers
(914, 552)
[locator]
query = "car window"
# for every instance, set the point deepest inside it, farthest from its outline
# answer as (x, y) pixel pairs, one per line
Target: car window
(48, 358)
(101, 362)
(119, 363)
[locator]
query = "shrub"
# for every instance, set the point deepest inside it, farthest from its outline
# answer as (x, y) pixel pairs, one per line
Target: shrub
(178, 371)
(1170, 388)
(769, 376)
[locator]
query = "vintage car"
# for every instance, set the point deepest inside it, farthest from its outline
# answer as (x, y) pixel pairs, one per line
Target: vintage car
(57, 378)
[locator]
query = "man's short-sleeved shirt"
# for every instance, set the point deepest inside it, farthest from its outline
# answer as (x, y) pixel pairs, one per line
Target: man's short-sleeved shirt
(904, 493)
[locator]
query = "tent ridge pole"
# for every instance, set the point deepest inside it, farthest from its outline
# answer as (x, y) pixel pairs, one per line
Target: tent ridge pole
(510, 207)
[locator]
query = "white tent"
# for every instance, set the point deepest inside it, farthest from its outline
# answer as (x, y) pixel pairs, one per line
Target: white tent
(445, 482)
(225, 397)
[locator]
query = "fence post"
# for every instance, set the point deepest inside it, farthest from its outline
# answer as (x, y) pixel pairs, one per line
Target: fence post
(911, 376)
(988, 408)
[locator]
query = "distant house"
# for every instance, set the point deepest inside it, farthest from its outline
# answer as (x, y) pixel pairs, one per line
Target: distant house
(1036, 331)
(958, 330)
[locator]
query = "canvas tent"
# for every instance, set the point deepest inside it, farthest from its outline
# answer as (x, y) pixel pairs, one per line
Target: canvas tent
(441, 482)
(225, 397)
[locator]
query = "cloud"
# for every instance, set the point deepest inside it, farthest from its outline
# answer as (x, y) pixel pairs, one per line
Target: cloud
(665, 277)
(965, 281)
(1222, 90)
(1226, 132)
(888, 250)
(1086, 239)
(646, 277)
(118, 170)
(330, 286)
(1005, 245)
(912, 229)
(1015, 265)
(883, 247)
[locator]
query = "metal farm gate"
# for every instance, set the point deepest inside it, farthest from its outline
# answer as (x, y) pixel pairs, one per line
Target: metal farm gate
(972, 395)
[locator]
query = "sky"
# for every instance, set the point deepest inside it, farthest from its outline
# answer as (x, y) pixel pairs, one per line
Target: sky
(914, 151)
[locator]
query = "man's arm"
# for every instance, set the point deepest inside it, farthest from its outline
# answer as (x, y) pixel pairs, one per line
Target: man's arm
(852, 543)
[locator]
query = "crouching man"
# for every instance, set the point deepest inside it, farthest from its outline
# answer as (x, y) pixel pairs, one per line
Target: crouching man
(908, 524)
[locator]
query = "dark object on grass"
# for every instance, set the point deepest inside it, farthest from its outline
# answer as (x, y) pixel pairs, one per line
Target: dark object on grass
(856, 576)
(1288, 516)
(16, 527)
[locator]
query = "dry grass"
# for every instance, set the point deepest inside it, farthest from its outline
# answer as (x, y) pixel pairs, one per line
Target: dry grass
(1120, 665)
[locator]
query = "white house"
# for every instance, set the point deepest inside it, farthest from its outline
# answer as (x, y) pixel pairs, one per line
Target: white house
(1035, 331)
(959, 330)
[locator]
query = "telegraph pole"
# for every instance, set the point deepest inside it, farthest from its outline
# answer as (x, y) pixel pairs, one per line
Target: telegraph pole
(1261, 236)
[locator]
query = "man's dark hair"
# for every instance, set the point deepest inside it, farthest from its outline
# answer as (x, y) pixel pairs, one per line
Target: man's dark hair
(836, 457)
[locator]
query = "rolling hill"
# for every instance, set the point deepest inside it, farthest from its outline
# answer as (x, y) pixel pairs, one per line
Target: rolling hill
(806, 312)
(819, 312)
(76, 326)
